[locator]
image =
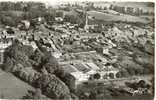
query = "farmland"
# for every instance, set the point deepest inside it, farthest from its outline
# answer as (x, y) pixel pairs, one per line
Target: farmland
(117, 17)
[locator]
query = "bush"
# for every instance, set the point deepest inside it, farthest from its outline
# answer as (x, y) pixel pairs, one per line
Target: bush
(119, 75)
(97, 76)
(111, 75)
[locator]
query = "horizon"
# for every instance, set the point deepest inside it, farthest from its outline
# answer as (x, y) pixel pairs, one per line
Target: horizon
(58, 2)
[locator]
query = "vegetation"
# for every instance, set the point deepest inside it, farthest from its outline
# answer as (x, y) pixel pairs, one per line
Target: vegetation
(37, 94)
(41, 70)
(26, 66)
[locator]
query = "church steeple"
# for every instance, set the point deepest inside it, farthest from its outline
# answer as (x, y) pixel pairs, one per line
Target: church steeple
(86, 21)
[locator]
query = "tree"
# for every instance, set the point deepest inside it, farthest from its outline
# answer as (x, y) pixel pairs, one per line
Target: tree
(97, 76)
(18, 6)
(142, 84)
(50, 63)
(37, 94)
(70, 18)
(118, 74)
(111, 7)
(28, 50)
(19, 53)
(124, 73)
(7, 20)
(105, 76)
(37, 56)
(146, 71)
(67, 78)
(49, 17)
(138, 71)
(59, 14)
(131, 71)
(105, 8)
(8, 65)
(111, 75)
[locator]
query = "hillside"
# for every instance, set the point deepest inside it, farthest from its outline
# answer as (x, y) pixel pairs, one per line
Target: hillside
(116, 17)
(9, 84)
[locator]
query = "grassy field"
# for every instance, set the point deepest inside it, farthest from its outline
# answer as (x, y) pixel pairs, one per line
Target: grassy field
(12, 87)
(113, 17)
(145, 6)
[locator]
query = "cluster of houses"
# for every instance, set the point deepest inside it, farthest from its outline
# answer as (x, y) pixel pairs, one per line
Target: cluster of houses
(85, 67)
(67, 39)
(5, 41)
(85, 71)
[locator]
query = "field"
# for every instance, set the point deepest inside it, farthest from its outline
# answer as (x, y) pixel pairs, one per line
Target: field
(145, 6)
(115, 17)
(12, 87)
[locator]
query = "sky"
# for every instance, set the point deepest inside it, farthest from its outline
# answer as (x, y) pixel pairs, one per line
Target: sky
(55, 2)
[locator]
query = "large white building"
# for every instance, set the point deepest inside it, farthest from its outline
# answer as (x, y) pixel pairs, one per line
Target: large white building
(83, 71)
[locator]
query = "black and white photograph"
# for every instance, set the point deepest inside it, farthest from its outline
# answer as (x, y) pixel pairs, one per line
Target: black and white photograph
(77, 49)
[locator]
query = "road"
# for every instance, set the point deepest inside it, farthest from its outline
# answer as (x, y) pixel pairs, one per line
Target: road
(121, 81)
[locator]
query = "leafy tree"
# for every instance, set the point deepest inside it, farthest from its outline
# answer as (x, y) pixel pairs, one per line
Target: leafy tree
(71, 18)
(124, 73)
(97, 76)
(105, 8)
(8, 65)
(142, 84)
(37, 56)
(37, 94)
(111, 75)
(28, 50)
(118, 75)
(50, 63)
(131, 71)
(7, 20)
(59, 14)
(19, 53)
(146, 71)
(111, 7)
(67, 78)
(49, 17)
(138, 71)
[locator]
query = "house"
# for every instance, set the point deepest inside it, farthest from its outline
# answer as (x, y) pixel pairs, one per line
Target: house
(58, 19)
(24, 24)
(32, 44)
(80, 77)
(106, 50)
(3, 46)
(108, 72)
(57, 54)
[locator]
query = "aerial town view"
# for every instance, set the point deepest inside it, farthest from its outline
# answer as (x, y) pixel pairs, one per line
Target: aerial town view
(77, 50)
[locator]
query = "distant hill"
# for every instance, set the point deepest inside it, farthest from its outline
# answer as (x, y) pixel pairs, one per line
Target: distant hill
(117, 17)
